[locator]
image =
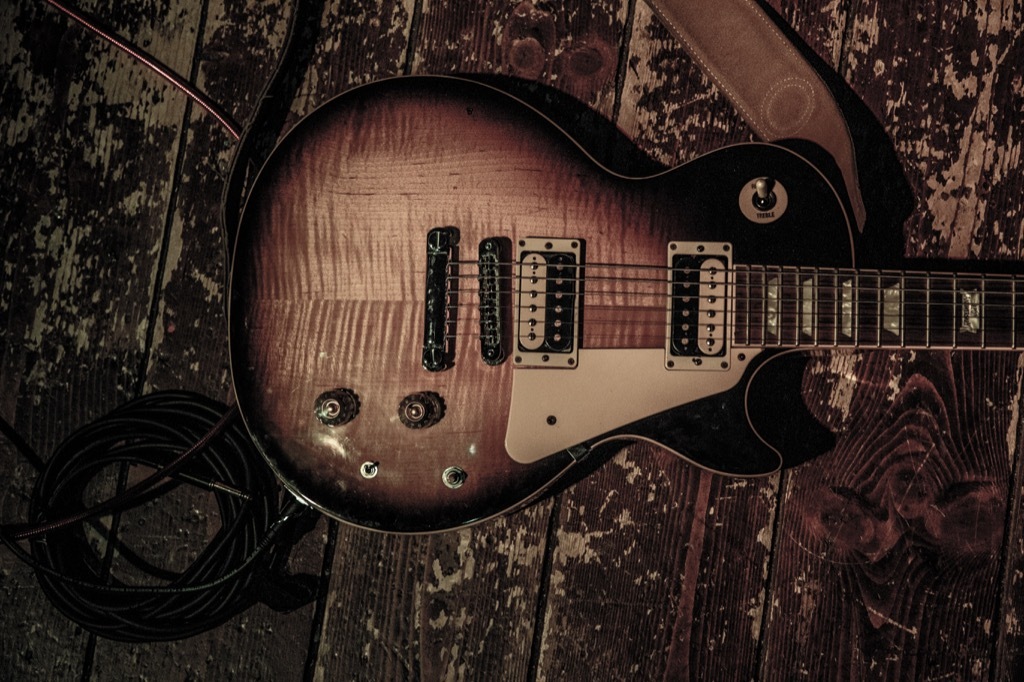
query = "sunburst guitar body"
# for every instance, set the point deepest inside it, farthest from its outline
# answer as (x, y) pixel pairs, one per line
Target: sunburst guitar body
(441, 306)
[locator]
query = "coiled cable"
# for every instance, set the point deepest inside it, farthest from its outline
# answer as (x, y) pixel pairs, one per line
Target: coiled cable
(185, 438)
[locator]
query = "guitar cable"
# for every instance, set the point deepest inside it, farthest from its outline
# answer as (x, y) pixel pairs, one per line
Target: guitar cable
(185, 438)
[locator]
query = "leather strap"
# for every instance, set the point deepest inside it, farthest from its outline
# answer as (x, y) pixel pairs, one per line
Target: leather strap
(764, 76)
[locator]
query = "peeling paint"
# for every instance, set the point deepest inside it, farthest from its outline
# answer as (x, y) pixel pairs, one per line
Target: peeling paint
(843, 366)
(1014, 426)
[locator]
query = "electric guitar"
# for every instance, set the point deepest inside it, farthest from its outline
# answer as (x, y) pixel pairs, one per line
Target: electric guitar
(440, 306)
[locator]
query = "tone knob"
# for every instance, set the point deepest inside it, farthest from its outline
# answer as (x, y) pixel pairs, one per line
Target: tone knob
(420, 410)
(336, 407)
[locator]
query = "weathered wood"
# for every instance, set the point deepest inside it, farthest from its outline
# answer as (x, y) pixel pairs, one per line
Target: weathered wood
(890, 543)
(891, 561)
(189, 350)
(896, 556)
(89, 167)
(1009, 650)
(669, 108)
(697, 583)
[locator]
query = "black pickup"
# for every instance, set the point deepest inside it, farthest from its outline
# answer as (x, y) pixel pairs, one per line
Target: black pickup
(441, 301)
(495, 279)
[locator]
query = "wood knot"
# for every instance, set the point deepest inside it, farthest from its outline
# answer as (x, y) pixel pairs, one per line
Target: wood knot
(529, 40)
(587, 66)
(968, 519)
(851, 525)
(527, 58)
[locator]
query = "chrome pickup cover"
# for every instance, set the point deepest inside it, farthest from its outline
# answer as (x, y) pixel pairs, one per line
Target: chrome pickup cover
(549, 277)
(699, 310)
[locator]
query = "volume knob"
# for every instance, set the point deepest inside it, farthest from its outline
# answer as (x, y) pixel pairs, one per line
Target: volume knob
(336, 407)
(420, 410)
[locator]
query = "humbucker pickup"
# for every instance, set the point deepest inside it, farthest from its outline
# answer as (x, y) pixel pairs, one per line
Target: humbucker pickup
(550, 276)
(699, 307)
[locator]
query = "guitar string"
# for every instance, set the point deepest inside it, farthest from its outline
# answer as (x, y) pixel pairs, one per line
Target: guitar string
(791, 300)
(793, 325)
(912, 334)
(756, 268)
(795, 290)
(787, 295)
(858, 281)
(774, 297)
(789, 321)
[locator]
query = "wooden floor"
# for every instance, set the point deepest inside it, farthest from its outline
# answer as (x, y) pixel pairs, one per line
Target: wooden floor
(897, 556)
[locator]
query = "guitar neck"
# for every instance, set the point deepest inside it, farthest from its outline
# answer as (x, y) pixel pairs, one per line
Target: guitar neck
(822, 307)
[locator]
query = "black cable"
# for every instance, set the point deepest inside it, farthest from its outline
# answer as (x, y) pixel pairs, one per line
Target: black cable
(228, 576)
(186, 438)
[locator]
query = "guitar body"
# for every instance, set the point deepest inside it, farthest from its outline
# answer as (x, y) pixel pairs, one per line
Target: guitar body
(328, 294)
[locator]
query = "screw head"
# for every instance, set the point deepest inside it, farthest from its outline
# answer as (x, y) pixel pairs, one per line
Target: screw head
(454, 477)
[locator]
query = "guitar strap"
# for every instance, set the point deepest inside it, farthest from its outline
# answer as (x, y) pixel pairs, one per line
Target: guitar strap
(765, 77)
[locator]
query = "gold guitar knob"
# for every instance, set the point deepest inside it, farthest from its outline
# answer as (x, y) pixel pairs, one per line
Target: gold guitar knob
(336, 407)
(421, 410)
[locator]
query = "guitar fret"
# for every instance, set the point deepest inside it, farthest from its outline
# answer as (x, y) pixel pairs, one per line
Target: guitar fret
(868, 310)
(855, 307)
(914, 323)
(761, 295)
(741, 299)
(879, 309)
(942, 308)
(749, 300)
(1000, 312)
(982, 312)
(826, 297)
(956, 289)
(835, 307)
(789, 308)
(828, 307)
(813, 305)
(772, 314)
(755, 306)
(902, 322)
(927, 308)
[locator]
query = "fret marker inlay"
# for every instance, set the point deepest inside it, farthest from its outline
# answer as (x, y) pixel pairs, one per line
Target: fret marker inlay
(807, 303)
(847, 308)
(772, 306)
(891, 310)
(970, 312)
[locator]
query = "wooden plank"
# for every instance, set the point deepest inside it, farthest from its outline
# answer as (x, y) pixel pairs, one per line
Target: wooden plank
(647, 567)
(90, 144)
(1009, 649)
(652, 570)
(669, 108)
(891, 543)
(359, 42)
(942, 81)
(575, 49)
(891, 560)
(664, 567)
(189, 351)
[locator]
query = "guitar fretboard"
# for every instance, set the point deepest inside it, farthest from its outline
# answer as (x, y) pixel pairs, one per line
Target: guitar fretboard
(777, 306)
